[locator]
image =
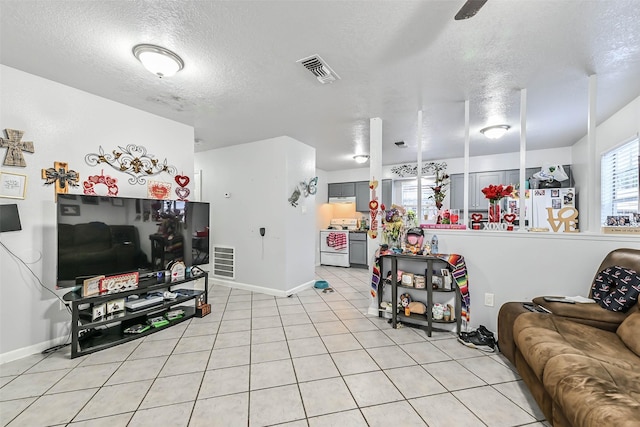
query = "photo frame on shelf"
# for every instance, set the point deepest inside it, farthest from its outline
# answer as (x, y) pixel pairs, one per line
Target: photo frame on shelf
(13, 185)
(98, 312)
(91, 286)
(115, 305)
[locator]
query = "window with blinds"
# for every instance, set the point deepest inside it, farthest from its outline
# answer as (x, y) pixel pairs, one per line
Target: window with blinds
(619, 179)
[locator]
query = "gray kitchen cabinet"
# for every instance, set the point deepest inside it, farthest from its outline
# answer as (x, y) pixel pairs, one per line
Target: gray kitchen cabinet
(363, 196)
(358, 249)
(342, 189)
(456, 191)
(477, 181)
(387, 193)
(512, 176)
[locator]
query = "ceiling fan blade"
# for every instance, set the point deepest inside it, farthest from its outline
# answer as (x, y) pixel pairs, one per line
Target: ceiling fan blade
(469, 10)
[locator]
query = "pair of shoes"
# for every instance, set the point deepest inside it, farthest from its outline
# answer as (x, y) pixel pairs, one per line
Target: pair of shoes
(476, 339)
(487, 333)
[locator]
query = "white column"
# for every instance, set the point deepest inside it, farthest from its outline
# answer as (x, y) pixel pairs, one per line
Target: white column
(465, 205)
(523, 156)
(375, 173)
(589, 219)
(419, 170)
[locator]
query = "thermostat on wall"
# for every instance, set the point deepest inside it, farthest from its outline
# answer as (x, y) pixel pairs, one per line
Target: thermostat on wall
(227, 195)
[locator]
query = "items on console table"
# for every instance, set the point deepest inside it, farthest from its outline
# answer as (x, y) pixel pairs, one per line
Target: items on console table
(456, 266)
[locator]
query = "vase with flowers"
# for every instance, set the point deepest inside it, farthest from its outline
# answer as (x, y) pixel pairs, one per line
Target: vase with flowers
(495, 193)
(440, 184)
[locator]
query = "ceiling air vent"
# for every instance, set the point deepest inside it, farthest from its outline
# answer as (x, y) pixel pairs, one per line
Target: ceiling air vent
(319, 68)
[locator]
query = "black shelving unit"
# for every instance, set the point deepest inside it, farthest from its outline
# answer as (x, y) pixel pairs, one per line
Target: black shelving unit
(426, 319)
(111, 327)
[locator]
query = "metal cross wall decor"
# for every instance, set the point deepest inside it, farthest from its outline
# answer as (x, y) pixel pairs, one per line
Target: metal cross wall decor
(61, 176)
(132, 160)
(15, 146)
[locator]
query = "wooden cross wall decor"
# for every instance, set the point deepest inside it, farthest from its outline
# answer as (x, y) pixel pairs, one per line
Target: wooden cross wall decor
(61, 176)
(15, 146)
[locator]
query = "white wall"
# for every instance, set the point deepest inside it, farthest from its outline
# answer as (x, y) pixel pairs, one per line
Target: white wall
(619, 128)
(65, 124)
(260, 177)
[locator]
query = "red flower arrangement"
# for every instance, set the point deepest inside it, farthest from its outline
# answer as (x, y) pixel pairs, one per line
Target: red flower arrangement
(497, 192)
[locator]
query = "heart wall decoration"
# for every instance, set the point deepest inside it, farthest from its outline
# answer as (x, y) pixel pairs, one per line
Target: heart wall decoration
(182, 192)
(182, 180)
(158, 190)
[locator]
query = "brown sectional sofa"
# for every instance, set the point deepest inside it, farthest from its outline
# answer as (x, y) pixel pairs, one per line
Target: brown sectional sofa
(581, 363)
(580, 375)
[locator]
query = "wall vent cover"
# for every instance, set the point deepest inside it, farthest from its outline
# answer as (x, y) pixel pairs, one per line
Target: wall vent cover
(319, 69)
(224, 262)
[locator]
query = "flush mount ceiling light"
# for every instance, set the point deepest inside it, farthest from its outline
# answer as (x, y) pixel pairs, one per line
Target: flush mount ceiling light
(495, 132)
(361, 158)
(160, 61)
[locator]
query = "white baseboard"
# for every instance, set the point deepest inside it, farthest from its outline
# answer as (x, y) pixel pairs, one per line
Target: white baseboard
(260, 289)
(10, 356)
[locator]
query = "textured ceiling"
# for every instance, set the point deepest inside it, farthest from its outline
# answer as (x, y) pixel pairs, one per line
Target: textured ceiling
(241, 82)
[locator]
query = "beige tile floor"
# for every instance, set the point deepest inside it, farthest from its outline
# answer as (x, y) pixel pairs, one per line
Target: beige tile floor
(312, 360)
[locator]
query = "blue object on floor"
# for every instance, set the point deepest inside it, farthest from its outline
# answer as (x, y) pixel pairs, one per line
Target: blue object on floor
(321, 284)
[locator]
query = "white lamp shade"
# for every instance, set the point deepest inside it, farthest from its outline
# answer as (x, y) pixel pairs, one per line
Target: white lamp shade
(160, 61)
(361, 158)
(495, 132)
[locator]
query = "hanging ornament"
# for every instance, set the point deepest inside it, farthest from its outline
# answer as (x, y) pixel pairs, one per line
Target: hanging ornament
(90, 184)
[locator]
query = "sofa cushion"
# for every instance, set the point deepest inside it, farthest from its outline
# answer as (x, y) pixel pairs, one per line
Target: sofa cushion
(540, 337)
(616, 288)
(593, 393)
(629, 332)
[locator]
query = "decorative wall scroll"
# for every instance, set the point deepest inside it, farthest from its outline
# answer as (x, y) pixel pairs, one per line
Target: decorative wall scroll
(158, 190)
(412, 170)
(15, 146)
(102, 179)
(61, 176)
(132, 160)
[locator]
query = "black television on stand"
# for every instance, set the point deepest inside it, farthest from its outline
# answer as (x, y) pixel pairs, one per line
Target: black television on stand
(115, 235)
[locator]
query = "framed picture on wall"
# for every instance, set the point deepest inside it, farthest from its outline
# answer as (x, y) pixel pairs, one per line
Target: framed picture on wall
(70, 210)
(13, 185)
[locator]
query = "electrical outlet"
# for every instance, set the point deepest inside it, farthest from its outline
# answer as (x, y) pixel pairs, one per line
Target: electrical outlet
(488, 300)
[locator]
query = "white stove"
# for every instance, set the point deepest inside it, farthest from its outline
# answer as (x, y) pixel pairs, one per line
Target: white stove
(334, 242)
(343, 224)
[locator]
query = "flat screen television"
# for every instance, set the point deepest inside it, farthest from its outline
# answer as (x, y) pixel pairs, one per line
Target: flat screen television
(113, 235)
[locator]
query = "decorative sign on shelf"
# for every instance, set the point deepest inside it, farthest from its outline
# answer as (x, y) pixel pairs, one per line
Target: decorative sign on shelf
(15, 146)
(132, 160)
(118, 283)
(62, 176)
